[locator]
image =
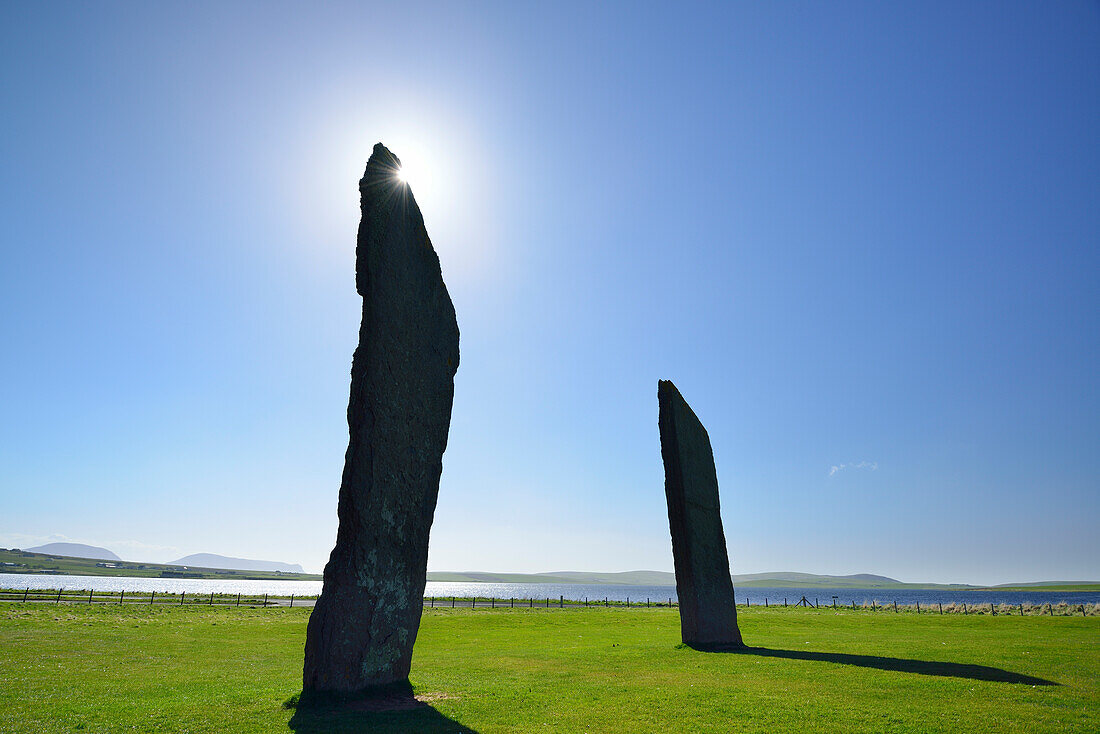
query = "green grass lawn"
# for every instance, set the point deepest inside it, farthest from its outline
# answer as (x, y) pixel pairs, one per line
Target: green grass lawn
(191, 669)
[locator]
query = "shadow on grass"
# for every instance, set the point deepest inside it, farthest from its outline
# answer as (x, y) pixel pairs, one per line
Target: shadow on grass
(397, 711)
(899, 665)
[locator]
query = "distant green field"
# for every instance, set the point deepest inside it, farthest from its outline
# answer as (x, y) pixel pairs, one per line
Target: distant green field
(1047, 587)
(16, 562)
(196, 669)
(828, 583)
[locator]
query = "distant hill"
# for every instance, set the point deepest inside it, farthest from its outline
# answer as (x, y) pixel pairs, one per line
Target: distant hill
(1050, 586)
(1044, 583)
(75, 550)
(14, 561)
(793, 578)
(210, 560)
(634, 578)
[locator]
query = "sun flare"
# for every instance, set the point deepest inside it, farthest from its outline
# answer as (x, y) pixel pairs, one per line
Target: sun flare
(415, 171)
(435, 171)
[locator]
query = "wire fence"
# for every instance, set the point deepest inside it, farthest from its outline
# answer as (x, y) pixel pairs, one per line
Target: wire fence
(89, 596)
(92, 597)
(1063, 608)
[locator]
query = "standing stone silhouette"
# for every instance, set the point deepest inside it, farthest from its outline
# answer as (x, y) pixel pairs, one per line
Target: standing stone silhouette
(708, 615)
(361, 632)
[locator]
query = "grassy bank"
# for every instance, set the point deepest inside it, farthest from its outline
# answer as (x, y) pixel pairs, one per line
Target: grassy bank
(112, 668)
(1045, 587)
(18, 562)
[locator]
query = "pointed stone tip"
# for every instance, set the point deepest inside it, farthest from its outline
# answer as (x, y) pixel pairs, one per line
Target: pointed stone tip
(382, 162)
(669, 398)
(382, 153)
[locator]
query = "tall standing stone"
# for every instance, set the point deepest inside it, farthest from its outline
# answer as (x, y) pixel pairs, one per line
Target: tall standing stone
(361, 632)
(708, 615)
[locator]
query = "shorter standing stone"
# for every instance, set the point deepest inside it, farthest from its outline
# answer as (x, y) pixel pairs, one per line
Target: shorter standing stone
(708, 614)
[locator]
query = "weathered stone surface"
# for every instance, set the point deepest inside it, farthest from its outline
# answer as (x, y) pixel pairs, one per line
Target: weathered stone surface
(361, 633)
(708, 616)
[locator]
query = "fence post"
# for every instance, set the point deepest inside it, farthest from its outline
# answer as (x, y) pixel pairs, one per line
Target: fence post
(964, 607)
(473, 601)
(670, 602)
(152, 596)
(918, 607)
(121, 595)
(211, 599)
(765, 601)
(748, 602)
(493, 602)
(1083, 611)
(265, 601)
(784, 601)
(238, 598)
(512, 603)
(531, 602)
(941, 606)
(547, 602)
(895, 606)
(89, 596)
(994, 611)
(433, 602)
(561, 602)
(26, 592)
(292, 600)
(58, 597)
(452, 602)
(182, 594)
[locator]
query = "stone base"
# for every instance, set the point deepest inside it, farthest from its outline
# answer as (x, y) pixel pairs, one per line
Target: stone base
(391, 694)
(717, 647)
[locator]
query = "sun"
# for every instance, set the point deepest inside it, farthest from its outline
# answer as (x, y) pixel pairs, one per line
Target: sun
(415, 171)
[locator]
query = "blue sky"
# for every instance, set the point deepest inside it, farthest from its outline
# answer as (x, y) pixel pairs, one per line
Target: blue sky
(862, 238)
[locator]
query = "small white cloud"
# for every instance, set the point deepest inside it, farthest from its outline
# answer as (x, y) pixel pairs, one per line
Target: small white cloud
(868, 465)
(23, 540)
